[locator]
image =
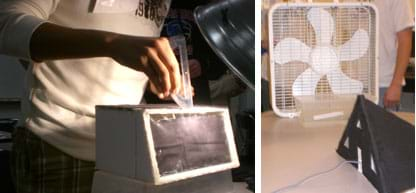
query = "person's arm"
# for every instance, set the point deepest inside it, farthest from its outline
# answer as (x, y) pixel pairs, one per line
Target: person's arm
(25, 34)
(393, 93)
(153, 56)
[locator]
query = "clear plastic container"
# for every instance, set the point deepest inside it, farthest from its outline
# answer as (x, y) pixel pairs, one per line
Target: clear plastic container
(184, 97)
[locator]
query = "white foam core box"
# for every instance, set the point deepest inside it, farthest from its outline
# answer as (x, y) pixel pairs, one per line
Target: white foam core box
(163, 144)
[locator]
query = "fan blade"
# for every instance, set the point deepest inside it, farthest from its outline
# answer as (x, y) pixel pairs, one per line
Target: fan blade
(354, 48)
(342, 84)
(323, 24)
(291, 49)
(305, 84)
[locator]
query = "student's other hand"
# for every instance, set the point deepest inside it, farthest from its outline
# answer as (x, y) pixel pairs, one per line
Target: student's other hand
(392, 96)
(194, 68)
(154, 57)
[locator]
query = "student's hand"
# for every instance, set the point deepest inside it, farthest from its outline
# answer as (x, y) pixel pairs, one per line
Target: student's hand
(392, 96)
(154, 57)
(153, 89)
(194, 68)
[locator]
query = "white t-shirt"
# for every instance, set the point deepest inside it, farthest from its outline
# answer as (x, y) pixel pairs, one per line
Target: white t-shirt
(394, 16)
(60, 99)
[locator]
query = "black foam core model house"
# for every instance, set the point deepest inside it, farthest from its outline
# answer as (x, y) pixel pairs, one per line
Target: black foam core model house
(385, 145)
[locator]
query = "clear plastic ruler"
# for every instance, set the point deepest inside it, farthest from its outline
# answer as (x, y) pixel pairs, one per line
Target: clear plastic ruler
(184, 97)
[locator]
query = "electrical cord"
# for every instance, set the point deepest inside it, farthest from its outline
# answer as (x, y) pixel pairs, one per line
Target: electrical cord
(284, 189)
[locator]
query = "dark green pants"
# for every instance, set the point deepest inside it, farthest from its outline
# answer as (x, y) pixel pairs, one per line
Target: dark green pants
(38, 167)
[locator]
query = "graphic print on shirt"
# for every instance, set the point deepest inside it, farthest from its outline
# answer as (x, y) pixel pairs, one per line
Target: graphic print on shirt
(115, 6)
(154, 10)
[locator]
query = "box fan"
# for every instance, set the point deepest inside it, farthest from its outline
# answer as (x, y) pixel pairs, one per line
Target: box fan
(321, 56)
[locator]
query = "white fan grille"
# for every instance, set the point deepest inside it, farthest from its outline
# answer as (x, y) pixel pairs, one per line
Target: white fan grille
(290, 21)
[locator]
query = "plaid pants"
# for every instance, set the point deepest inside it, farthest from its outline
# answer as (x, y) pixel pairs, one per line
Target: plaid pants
(38, 167)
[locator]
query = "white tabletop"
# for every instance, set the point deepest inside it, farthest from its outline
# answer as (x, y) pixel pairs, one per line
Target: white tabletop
(292, 151)
(105, 182)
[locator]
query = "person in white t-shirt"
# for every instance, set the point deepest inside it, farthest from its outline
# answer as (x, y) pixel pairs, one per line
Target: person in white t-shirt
(395, 23)
(79, 58)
